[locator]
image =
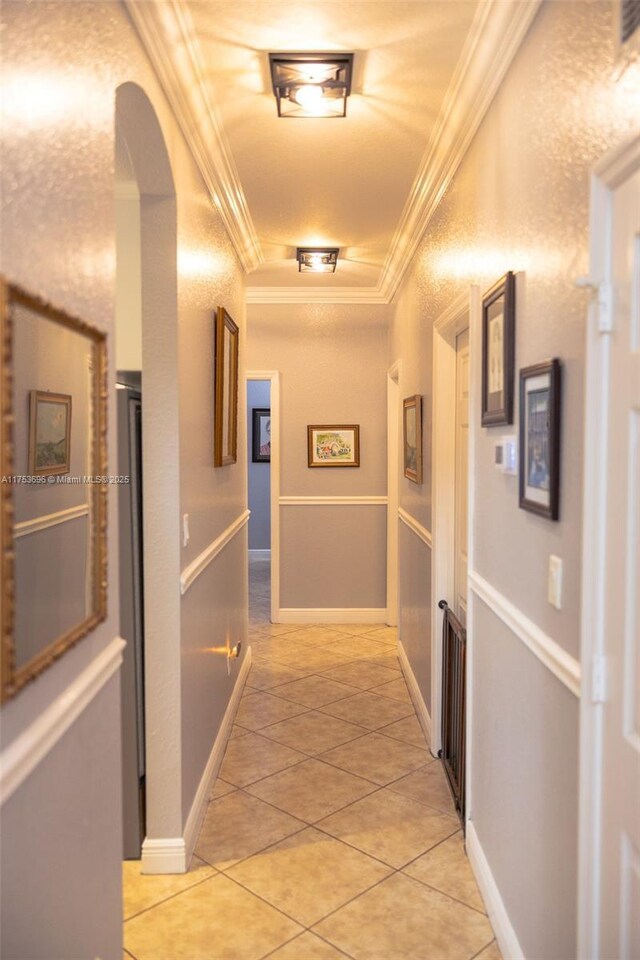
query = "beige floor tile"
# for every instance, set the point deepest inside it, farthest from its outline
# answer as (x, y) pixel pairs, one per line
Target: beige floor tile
(389, 634)
(404, 920)
(357, 648)
(318, 634)
(313, 732)
(307, 947)
(357, 629)
(447, 868)
(253, 757)
(492, 952)
(396, 689)
(389, 658)
(216, 920)
(238, 826)
(140, 891)
(389, 827)
(263, 676)
(278, 629)
(259, 709)
(377, 758)
(315, 691)
(309, 875)
(237, 731)
(311, 790)
(313, 661)
(407, 729)
(428, 785)
(369, 710)
(362, 674)
(220, 789)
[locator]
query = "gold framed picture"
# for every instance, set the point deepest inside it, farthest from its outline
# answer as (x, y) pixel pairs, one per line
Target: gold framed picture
(412, 432)
(49, 433)
(225, 432)
(333, 445)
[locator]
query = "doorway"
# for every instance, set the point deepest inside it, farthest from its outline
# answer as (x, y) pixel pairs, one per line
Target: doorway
(609, 898)
(259, 498)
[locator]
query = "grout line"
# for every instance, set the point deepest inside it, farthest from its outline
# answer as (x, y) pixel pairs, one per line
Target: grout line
(172, 896)
(444, 893)
(484, 948)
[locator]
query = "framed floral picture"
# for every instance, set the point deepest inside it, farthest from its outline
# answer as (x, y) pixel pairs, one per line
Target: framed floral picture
(498, 351)
(412, 437)
(333, 445)
(540, 411)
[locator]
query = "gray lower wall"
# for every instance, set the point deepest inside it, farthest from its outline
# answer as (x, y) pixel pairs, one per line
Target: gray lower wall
(53, 859)
(335, 556)
(524, 786)
(414, 606)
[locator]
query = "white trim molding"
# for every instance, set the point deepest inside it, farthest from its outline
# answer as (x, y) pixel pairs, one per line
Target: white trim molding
(173, 854)
(332, 615)
(493, 40)
(191, 573)
(28, 750)
(182, 73)
(259, 554)
(26, 527)
(563, 666)
(414, 691)
(421, 532)
(505, 934)
(315, 295)
(372, 501)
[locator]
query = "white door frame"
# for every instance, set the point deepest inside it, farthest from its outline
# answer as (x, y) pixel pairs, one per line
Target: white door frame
(459, 315)
(393, 502)
(274, 378)
(614, 168)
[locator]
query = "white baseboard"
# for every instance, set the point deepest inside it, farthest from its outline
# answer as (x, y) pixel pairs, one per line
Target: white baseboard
(505, 934)
(416, 696)
(173, 854)
(259, 554)
(332, 615)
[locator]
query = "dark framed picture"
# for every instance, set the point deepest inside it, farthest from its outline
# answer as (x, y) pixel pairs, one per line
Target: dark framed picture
(261, 435)
(333, 445)
(540, 410)
(498, 351)
(49, 433)
(225, 421)
(412, 436)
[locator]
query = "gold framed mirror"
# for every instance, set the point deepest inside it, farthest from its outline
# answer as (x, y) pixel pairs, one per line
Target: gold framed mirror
(53, 489)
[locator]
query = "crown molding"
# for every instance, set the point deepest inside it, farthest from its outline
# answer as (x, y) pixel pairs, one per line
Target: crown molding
(494, 38)
(168, 36)
(314, 295)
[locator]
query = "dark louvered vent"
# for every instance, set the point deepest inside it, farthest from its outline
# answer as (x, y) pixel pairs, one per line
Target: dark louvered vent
(629, 19)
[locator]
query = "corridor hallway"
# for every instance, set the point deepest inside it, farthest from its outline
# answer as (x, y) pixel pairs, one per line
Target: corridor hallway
(330, 832)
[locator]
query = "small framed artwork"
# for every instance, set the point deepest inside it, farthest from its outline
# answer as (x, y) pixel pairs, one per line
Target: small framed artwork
(49, 433)
(333, 445)
(498, 351)
(540, 410)
(225, 432)
(412, 433)
(261, 435)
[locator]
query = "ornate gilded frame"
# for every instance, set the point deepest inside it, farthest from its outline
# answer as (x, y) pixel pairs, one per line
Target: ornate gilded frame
(226, 391)
(13, 679)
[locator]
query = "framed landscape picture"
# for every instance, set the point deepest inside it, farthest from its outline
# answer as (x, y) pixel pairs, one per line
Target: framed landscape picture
(333, 445)
(225, 431)
(498, 351)
(540, 410)
(261, 435)
(412, 436)
(49, 433)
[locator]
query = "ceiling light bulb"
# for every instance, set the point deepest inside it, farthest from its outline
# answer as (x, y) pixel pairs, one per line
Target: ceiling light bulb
(315, 261)
(309, 96)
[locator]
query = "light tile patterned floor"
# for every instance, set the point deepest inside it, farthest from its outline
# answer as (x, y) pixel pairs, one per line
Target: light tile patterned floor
(330, 832)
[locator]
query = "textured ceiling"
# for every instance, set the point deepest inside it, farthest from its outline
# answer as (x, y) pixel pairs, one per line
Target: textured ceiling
(338, 182)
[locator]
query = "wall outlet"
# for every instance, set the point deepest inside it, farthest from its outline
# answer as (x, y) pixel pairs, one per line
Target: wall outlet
(554, 589)
(185, 529)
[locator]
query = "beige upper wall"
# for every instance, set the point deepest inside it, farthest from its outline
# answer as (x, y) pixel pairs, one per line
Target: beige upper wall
(520, 202)
(62, 65)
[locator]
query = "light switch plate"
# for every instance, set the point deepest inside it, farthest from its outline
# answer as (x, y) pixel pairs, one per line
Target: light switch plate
(554, 590)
